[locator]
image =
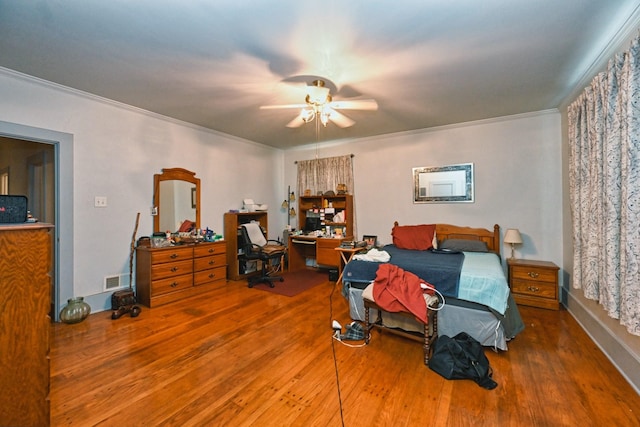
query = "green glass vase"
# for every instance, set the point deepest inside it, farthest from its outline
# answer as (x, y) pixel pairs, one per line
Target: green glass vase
(75, 311)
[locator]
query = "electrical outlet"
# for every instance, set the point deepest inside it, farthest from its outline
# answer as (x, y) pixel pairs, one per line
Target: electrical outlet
(154, 210)
(100, 202)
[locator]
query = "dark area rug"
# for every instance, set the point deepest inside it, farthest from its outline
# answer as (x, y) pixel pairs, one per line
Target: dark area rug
(296, 282)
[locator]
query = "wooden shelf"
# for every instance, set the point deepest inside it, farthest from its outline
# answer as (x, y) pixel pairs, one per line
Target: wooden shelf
(318, 204)
(232, 222)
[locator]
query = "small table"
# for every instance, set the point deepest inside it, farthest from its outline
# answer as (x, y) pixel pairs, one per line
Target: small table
(345, 256)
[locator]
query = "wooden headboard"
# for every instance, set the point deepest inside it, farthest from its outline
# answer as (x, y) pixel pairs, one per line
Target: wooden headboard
(491, 238)
(448, 231)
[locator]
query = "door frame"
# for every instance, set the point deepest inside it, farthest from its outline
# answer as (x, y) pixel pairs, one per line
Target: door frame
(63, 194)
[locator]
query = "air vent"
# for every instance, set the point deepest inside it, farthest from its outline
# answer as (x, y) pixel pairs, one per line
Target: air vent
(112, 283)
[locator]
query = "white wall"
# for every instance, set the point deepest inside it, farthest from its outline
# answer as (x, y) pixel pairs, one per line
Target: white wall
(517, 170)
(116, 151)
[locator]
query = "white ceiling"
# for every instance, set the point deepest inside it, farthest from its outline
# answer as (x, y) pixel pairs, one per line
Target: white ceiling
(214, 63)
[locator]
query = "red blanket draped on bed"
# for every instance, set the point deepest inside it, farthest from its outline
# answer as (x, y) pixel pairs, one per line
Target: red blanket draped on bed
(396, 290)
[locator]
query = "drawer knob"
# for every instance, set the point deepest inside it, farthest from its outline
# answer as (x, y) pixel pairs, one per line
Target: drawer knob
(174, 269)
(212, 262)
(533, 289)
(533, 274)
(211, 276)
(174, 256)
(174, 284)
(211, 250)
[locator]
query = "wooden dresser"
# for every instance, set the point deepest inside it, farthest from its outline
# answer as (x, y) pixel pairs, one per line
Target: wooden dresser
(165, 275)
(534, 283)
(25, 301)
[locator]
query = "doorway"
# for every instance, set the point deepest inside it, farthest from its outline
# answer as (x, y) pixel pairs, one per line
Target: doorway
(27, 168)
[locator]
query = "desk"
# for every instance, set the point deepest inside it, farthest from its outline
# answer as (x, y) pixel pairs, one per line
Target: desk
(321, 248)
(345, 256)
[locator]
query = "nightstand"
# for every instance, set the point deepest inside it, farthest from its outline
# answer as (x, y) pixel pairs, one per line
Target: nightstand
(534, 283)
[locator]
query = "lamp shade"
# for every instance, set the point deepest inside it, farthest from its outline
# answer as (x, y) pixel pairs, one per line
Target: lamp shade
(512, 236)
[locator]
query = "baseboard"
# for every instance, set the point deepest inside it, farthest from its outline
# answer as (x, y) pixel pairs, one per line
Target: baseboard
(624, 358)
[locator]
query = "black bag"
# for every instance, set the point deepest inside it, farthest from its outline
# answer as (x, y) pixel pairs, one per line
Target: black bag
(13, 209)
(461, 357)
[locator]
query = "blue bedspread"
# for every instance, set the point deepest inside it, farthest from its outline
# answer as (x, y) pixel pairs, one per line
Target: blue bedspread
(441, 270)
(469, 276)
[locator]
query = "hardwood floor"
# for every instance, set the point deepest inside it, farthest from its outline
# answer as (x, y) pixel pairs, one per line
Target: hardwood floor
(241, 357)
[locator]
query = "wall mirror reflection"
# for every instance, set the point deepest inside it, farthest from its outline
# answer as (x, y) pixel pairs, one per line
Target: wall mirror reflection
(443, 184)
(176, 198)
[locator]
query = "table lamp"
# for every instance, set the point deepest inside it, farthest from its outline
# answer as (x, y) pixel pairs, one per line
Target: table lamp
(513, 237)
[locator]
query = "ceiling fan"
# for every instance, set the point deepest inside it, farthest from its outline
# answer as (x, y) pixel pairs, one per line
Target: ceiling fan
(319, 104)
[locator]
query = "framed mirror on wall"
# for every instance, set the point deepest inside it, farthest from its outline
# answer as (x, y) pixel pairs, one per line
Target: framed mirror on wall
(443, 184)
(176, 195)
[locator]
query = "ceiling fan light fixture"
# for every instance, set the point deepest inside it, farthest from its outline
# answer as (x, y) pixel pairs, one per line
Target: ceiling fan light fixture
(319, 102)
(307, 114)
(324, 117)
(318, 95)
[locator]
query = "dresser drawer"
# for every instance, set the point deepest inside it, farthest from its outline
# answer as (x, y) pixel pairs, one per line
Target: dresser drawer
(536, 274)
(171, 255)
(171, 269)
(208, 262)
(534, 288)
(326, 253)
(208, 249)
(211, 275)
(171, 284)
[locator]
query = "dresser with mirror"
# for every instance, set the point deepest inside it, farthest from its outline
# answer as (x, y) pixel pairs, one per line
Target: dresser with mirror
(168, 274)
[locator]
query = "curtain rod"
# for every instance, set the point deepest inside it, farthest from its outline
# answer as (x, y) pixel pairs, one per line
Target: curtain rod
(352, 156)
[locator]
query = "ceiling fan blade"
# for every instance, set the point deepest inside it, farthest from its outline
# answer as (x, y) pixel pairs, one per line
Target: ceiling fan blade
(358, 104)
(348, 91)
(340, 119)
(296, 122)
(278, 107)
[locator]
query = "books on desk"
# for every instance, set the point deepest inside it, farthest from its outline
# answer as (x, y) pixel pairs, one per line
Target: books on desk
(352, 244)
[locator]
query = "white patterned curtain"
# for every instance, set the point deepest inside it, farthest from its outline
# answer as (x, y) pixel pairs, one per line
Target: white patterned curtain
(322, 175)
(604, 180)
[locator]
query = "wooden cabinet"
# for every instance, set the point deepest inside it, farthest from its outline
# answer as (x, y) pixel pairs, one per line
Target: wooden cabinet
(326, 253)
(326, 207)
(25, 289)
(165, 275)
(534, 283)
(232, 221)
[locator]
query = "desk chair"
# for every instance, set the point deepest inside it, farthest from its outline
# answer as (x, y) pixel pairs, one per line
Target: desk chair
(256, 247)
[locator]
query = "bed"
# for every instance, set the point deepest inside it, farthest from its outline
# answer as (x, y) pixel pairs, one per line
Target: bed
(464, 265)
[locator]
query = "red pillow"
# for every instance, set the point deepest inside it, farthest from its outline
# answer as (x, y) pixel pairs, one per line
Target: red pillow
(416, 237)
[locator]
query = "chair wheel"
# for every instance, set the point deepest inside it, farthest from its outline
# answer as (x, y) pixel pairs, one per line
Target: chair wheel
(251, 285)
(282, 279)
(272, 285)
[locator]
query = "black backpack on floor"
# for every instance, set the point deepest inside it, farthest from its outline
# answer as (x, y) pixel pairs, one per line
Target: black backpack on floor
(461, 357)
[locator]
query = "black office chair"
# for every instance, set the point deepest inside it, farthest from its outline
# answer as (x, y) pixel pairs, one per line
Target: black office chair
(256, 247)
